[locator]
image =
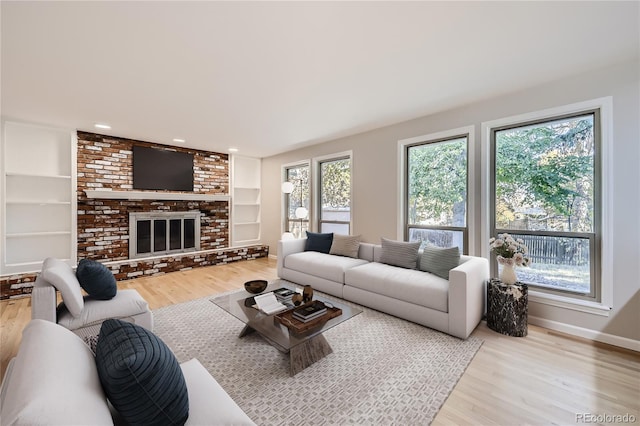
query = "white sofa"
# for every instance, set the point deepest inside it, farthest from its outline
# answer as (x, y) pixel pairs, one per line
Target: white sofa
(453, 306)
(54, 380)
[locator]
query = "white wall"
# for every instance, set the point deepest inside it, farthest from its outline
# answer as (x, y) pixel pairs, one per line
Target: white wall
(375, 180)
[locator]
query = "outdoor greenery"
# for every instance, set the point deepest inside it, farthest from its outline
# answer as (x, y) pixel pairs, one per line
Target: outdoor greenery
(544, 176)
(437, 186)
(336, 184)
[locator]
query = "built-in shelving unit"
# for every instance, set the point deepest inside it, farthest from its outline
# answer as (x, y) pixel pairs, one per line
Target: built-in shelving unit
(245, 201)
(38, 196)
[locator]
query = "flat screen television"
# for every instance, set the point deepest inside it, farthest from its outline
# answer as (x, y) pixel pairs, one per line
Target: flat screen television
(161, 169)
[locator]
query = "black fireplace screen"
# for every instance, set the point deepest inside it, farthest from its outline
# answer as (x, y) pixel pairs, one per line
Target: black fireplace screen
(169, 235)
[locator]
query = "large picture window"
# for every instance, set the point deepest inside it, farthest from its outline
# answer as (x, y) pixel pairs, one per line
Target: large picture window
(436, 198)
(545, 191)
(335, 196)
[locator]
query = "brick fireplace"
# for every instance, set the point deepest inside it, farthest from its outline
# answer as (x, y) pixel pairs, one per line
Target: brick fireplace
(104, 163)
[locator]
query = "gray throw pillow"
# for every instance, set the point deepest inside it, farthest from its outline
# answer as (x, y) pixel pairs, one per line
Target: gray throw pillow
(345, 245)
(400, 253)
(439, 261)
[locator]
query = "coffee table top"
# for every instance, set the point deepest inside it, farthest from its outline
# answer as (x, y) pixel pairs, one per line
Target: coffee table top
(267, 326)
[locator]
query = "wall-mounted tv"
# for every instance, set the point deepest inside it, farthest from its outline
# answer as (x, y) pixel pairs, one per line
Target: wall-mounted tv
(162, 169)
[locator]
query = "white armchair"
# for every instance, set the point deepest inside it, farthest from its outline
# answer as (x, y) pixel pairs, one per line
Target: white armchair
(82, 315)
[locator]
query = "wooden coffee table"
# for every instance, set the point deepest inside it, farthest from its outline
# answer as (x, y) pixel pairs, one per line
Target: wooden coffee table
(304, 349)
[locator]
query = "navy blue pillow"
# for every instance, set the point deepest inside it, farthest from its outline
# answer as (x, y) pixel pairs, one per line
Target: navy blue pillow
(140, 375)
(318, 242)
(96, 279)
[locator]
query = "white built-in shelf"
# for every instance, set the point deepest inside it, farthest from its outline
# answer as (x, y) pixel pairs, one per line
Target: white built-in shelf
(37, 175)
(37, 234)
(150, 195)
(41, 203)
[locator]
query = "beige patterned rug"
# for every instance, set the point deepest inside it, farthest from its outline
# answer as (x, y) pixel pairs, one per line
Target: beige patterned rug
(383, 370)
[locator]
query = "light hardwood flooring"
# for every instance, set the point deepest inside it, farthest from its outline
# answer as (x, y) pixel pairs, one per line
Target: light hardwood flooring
(544, 378)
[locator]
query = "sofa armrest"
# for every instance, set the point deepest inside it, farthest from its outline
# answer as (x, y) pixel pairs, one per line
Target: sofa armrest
(466, 295)
(209, 403)
(287, 247)
(43, 300)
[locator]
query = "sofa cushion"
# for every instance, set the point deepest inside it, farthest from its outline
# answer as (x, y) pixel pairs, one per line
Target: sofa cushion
(125, 304)
(400, 253)
(318, 242)
(345, 245)
(409, 285)
(96, 279)
(439, 261)
(140, 375)
(61, 276)
(53, 380)
(321, 265)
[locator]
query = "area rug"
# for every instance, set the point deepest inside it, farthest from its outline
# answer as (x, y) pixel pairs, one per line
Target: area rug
(383, 370)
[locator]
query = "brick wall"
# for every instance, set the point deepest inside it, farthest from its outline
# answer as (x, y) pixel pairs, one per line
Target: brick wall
(105, 162)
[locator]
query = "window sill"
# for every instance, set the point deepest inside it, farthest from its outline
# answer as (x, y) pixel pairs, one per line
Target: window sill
(595, 308)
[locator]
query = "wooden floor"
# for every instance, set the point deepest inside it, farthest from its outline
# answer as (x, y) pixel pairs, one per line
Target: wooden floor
(544, 378)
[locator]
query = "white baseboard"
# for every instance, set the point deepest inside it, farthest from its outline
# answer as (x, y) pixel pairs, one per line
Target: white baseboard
(598, 336)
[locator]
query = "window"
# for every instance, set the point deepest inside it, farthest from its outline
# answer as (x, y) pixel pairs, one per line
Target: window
(298, 200)
(545, 190)
(436, 196)
(335, 195)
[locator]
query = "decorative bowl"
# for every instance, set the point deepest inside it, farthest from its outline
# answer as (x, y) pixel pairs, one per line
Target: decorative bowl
(255, 286)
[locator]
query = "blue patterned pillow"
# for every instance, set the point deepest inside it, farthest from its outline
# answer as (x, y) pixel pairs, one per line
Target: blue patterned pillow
(140, 375)
(318, 242)
(96, 279)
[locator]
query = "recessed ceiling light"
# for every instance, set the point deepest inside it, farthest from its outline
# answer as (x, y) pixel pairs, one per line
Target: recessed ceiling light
(178, 140)
(233, 149)
(102, 126)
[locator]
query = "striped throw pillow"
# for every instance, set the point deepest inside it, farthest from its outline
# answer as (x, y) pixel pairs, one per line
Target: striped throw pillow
(345, 245)
(400, 253)
(439, 261)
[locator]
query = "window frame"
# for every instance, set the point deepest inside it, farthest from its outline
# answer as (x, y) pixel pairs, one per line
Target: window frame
(408, 226)
(592, 237)
(286, 198)
(601, 304)
(318, 161)
(403, 185)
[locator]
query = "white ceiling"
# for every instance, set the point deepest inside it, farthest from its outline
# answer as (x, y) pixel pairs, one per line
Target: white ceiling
(267, 77)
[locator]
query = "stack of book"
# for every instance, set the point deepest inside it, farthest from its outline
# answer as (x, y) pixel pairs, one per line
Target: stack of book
(284, 295)
(310, 311)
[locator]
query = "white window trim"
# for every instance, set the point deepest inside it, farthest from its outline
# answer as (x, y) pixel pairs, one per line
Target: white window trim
(606, 145)
(315, 204)
(471, 200)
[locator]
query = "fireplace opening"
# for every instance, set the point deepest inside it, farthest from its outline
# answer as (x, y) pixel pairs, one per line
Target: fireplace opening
(158, 233)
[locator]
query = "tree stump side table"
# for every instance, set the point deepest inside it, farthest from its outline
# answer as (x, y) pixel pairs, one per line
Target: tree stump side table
(507, 307)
